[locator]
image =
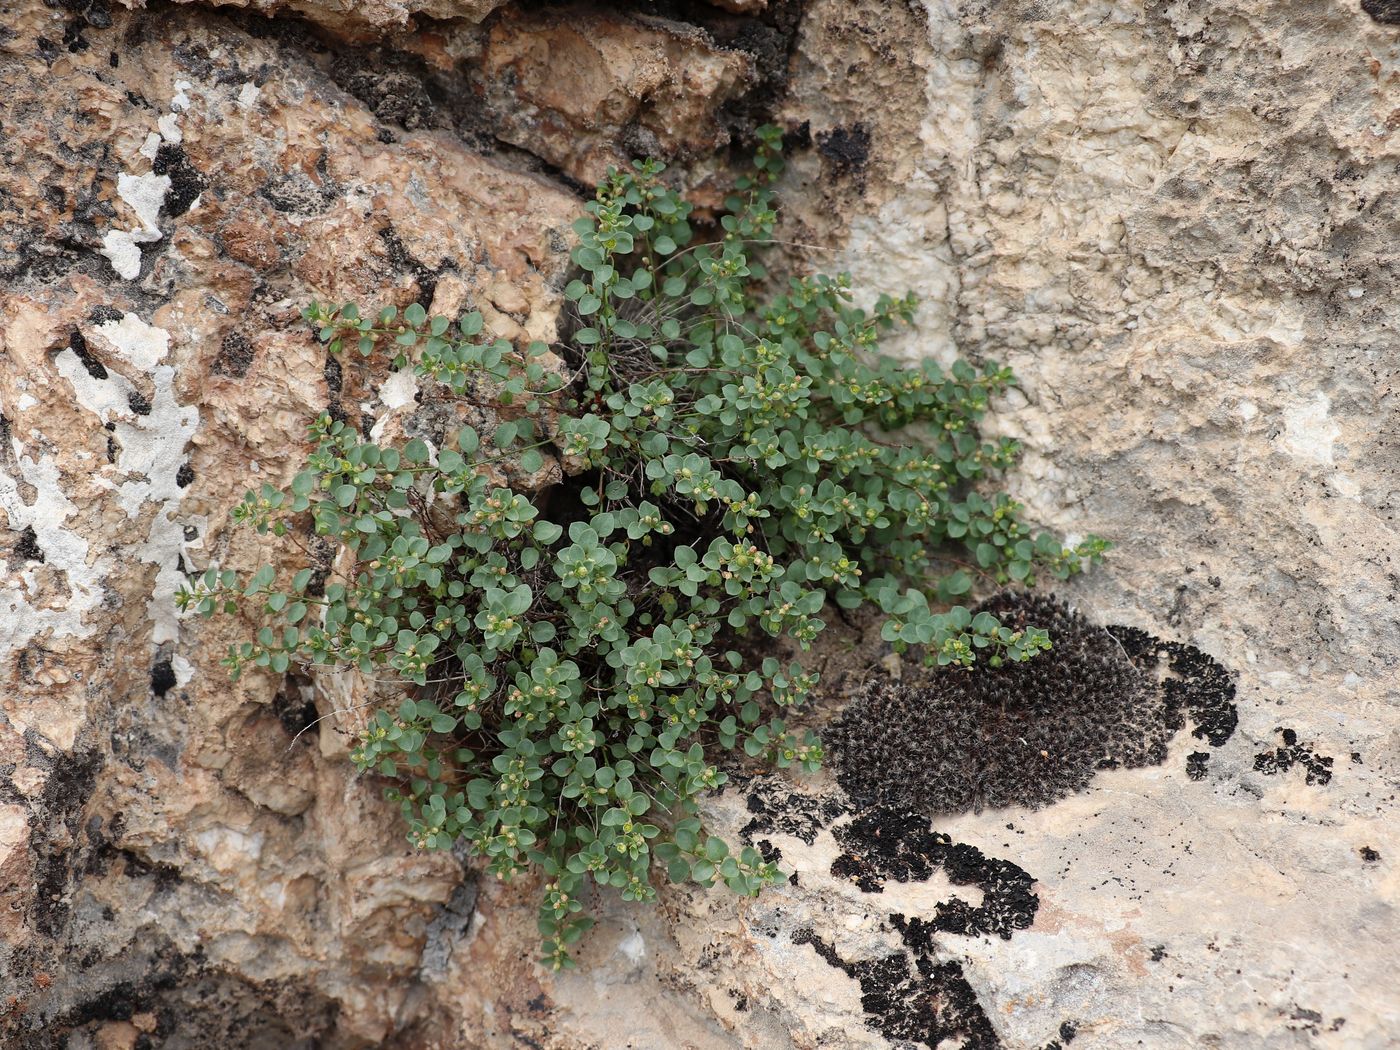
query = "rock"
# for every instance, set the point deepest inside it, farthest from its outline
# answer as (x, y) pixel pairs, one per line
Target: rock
(173, 191)
(586, 91)
(351, 17)
(1175, 241)
(1174, 223)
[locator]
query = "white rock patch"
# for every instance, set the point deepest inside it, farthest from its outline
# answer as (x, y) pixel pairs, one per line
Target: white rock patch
(152, 451)
(1309, 432)
(145, 194)
(64, 549)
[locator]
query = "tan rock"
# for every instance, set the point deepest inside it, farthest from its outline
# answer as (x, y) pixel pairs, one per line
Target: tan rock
(586, 90)
(357, 17)
(160, 228)
(1171, 221)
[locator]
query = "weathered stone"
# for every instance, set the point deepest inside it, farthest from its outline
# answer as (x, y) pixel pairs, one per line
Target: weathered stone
(1173, 220)
(173, 191)
(586, 90)
(1174, 240)
(353, 17)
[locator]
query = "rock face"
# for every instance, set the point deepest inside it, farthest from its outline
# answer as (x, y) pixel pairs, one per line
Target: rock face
(358, 17)
(588, 94)
(184, 857)
(1175, 221)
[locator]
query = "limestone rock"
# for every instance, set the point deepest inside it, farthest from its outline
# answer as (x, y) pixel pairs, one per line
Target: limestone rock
(1172, 223)
(357, 17)
(173, 190)
(587, 93)
(1173, 220)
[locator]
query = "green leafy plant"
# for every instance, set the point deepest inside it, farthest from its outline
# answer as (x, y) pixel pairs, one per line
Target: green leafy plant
(739, 465)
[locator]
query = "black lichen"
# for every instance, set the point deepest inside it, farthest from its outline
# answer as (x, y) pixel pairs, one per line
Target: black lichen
(335, 377)
(883, 843)
(96, 13)
(944, 740)
(28, 545)
(73, 38)
(104, 314)
(55, 823)
(1282, 759)
(162, 678)
(78, 345)
(775, 807)
(847, 150)
(234, 357)
(1196, 686)
(1029, 733)
(296, 193)
(392, 88)
(295, 710)
(908, 996)
(926, 1004)
(403, 261)
(186, 183)
(1386, 12)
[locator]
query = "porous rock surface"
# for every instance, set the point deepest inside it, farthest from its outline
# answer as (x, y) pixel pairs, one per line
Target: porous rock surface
(1176, 222)
(186, 859)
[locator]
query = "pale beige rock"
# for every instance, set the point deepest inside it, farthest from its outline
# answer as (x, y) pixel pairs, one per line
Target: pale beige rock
(1168, 221)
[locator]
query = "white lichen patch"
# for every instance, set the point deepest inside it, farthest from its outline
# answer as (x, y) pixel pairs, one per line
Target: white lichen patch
(181, 101)
(22, 618)
(145, 194)
(151, 146)
(151, 451)
(121, 249)
(633, 948)
(152, 445)
(143, 345)
(170, 129)
(399, 391)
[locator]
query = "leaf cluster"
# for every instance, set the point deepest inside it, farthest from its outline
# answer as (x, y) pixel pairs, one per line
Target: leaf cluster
(741, 464)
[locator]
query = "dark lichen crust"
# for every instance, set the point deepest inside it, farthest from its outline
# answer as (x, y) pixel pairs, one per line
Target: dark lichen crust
(1282, 759)
(949, 740)
(927, 1005)
(1028, 733)
(1195, 686)
(882, 844)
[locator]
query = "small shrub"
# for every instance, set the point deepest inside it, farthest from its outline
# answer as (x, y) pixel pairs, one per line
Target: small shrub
(740, 464)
